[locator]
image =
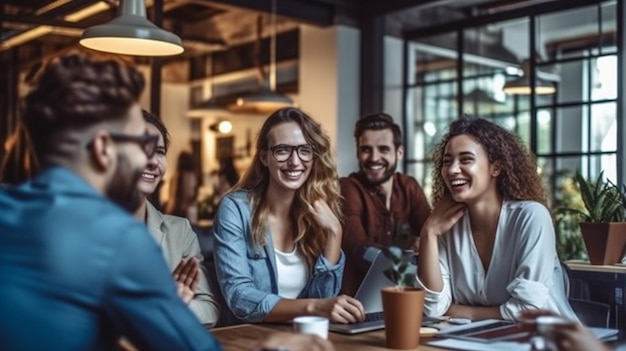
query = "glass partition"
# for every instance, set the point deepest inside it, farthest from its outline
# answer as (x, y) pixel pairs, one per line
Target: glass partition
(574, 51)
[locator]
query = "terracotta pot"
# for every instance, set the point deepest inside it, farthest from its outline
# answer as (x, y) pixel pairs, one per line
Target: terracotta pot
(605, 242)
(402, 311)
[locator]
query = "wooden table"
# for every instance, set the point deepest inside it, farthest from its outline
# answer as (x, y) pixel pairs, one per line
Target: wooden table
(245, 337)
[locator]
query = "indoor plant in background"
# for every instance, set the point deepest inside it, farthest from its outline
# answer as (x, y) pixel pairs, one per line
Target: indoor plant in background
(403, 304)
(566, 196)
(603, 223)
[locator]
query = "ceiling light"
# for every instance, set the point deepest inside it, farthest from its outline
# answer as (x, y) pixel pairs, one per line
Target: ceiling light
(266, 100)
(130, 33)
(521, 85)
(223, 127)
(207, 106)
(480, 96)
(210, 105)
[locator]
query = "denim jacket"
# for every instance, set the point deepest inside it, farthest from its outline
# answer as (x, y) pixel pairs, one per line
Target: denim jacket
(246, 273)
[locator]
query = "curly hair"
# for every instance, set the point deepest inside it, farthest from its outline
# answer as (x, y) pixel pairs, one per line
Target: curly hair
(518, 178)
(322, 184)
(78, 90)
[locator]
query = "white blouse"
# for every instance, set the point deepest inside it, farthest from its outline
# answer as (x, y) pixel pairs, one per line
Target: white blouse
(292, 272)
(524, 272)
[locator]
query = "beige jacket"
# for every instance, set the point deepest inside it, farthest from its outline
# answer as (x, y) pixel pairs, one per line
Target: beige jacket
(177, 241)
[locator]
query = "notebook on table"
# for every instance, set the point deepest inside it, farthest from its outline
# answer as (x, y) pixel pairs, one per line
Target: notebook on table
(369, 295)
(496, 330)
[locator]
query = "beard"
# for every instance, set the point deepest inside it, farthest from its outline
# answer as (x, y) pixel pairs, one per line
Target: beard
(123, 189)
(389, 171)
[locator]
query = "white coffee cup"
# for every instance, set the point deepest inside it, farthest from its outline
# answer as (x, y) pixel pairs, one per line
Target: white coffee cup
(544, 327)
(311, 325)
(546, 323)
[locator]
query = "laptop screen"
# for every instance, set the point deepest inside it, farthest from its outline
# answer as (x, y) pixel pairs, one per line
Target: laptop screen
(369, 290)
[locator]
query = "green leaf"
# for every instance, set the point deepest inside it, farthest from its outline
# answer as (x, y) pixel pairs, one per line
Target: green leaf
(399, 270)
(603, 200)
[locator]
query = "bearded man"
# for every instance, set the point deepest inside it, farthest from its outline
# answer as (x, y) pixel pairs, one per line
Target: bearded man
(380, 207)
(77, 271)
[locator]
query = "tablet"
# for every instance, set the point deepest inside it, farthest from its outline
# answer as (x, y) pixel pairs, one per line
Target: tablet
(487, 331)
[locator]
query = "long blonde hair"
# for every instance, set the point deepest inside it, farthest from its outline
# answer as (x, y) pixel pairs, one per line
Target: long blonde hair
(322, 184)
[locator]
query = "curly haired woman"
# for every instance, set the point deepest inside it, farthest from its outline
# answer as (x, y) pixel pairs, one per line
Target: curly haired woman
(278, 233)
(488, 248)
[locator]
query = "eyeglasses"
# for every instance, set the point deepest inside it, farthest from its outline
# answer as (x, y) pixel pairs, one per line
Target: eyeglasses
(283, 152)
(147, 142)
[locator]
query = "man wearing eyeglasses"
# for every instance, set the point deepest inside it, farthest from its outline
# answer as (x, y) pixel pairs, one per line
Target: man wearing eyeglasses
(76, 270)
(381, 207)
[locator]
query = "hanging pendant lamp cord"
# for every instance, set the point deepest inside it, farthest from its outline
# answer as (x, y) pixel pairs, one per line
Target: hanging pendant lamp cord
(273, 48)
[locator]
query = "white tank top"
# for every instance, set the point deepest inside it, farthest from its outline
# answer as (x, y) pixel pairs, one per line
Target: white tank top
(293, 273)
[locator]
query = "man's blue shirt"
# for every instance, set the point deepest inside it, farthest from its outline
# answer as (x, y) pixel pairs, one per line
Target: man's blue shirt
(77, 272)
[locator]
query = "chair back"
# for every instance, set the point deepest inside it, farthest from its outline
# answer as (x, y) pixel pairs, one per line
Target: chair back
(590, 313)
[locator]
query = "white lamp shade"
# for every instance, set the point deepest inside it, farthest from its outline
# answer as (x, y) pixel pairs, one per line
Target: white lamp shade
(206, 107)
(521, 86)
(132, 34)
(264, 101)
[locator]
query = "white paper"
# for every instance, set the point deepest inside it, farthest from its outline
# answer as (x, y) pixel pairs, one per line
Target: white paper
(465, 345)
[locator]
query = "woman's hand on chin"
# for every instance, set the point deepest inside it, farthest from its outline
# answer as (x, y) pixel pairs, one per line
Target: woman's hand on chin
(444, 215)
(325, 217)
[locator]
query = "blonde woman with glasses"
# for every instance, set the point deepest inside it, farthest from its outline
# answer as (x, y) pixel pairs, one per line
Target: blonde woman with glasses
(278, 232)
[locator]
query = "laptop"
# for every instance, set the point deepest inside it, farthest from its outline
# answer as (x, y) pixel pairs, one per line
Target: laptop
(369, 293)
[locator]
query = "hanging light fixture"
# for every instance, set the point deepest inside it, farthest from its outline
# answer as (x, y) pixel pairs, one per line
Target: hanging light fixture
(130, 33)
(208, 106)
(481, 97)
(221, 126)
(266, 100)
(521, 85)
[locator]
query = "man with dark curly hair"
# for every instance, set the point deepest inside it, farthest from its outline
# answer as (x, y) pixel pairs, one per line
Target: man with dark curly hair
(488, 248)
(76, 270)
(381, 207)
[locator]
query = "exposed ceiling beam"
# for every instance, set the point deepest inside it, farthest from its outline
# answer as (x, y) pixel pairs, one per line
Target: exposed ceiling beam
(543, 7)
(40, 20)
(389, 6)
(314, 12)
(62, 9)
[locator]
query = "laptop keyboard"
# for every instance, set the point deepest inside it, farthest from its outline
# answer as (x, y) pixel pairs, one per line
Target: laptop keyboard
(374, 316)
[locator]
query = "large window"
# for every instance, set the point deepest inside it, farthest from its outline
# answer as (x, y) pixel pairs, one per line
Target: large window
(572, 50)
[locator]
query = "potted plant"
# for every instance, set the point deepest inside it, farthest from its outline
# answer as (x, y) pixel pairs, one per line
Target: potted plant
(603, 223)
(403, 304)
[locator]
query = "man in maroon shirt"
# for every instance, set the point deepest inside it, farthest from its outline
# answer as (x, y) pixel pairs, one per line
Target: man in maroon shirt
(381, 207)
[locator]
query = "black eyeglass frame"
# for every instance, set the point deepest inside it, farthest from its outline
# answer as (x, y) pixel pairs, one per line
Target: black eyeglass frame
(296, 148)
(148, 142)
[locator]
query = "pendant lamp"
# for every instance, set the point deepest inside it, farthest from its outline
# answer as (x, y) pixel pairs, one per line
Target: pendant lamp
(266, 100)
(521, 85)
(207, 106)
(210, 105)
(130, 33)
